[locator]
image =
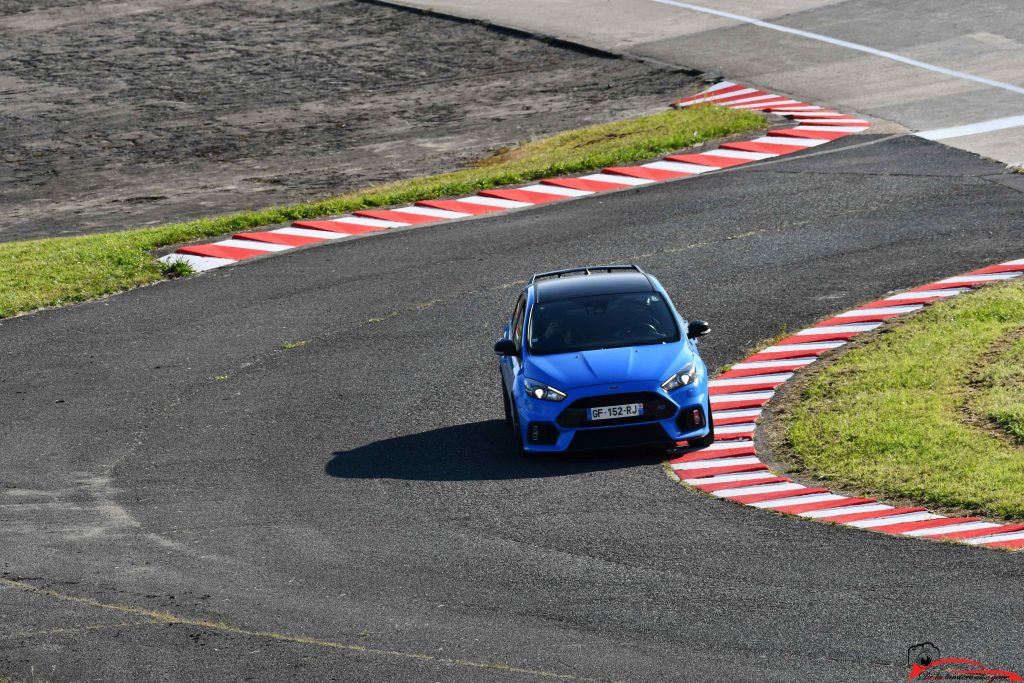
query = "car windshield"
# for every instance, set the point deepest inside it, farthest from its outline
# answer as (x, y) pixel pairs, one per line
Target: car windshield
(601, 322)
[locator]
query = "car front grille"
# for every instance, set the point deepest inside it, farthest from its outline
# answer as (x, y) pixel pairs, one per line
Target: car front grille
(656, 407)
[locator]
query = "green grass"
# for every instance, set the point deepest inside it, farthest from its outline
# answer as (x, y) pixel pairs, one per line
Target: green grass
(931, 410)
(55, 271)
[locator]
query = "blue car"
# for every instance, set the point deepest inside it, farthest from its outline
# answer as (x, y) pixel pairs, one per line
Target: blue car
(597, 358)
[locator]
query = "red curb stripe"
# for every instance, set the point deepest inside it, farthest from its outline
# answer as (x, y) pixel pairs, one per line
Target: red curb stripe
(825, 121)
(456, 205)
(763, 147)
(724, 101)
(218, 251)
(951, 285)
(708, 160)
(279, 238)
(766, 105)
(923, 299)
(974, 533)
(797, 508)
(733, 436)
(723, 469)
(527, 196)
(696, 456)
(902, 527)
(337, 226)
(774, 495)
(396, 216)
(856, 516)
(583, 184)
(723, 485)
(1015, 543)
(814, 134)
(646, 173)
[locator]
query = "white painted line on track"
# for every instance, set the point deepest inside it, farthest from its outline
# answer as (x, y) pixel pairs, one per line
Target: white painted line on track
(847, 44)
(972, 128)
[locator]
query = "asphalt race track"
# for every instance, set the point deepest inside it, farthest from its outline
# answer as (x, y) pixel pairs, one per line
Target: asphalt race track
(220, 507)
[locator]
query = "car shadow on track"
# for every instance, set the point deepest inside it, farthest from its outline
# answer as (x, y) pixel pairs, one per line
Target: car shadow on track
(468, 452)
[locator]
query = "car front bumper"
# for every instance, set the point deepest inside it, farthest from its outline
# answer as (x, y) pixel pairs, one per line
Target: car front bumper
(563, 426)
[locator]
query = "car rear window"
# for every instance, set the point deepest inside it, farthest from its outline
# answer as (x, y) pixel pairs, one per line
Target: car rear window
(601, 322)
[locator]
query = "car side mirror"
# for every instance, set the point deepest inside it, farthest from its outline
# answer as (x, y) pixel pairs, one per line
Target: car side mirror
(697, 328)
(505, 347)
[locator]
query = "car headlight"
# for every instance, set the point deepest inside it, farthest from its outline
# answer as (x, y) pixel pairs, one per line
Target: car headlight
(543, 391)
(687, 375)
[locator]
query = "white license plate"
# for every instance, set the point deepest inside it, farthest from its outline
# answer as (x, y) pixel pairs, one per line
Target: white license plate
(612, 412)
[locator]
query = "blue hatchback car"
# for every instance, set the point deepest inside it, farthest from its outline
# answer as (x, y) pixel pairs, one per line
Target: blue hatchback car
(598, 357)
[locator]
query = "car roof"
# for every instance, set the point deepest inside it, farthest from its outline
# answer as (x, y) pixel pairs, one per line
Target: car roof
(593, 284)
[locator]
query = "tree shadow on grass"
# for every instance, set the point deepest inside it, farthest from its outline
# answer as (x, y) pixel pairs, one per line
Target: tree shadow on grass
(470, 452)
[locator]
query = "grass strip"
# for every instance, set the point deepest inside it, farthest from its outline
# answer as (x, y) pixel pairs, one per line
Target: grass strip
(930, 410)
(55, 271)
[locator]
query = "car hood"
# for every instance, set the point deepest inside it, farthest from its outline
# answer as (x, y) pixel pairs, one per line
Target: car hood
(602, 366)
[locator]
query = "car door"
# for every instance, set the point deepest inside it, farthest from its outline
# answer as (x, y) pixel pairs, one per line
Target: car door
(511, 365)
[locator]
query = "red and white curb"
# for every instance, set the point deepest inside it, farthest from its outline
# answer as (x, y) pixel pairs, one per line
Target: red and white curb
(816, 126)
(730, 468)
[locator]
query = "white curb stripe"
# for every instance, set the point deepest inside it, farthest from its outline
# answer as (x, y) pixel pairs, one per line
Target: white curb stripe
(370, 222)
(738, 154)
(729, 478)
(832, 129)
(679, 166)
(809, 346)
(1016, 535)
(757, 488)
(306, 232)
(932, 292)
(718, 96)
(741, 412)
(623, 180)
(726, 445)
(427, 211)
(758, 105)
(783, 362)
(198, 263)
(253, 244)
(845, 510)
(736, 428)
(716, 462)
(752, 379)
(494, 201)
(895, 519)
(881, 311)
(830, 329)
(792, 142)
(797, 500)
(988, 277)
(952, 528)
(744, 396)
(556, 189)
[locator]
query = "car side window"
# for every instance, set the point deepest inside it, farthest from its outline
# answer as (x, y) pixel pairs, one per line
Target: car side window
(517, 322)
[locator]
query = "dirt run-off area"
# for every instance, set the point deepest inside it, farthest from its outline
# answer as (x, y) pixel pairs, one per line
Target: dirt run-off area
(122, 114)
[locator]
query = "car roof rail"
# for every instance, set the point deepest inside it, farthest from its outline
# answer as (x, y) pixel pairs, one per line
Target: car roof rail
(586, 270)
